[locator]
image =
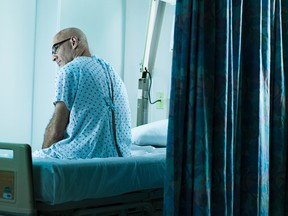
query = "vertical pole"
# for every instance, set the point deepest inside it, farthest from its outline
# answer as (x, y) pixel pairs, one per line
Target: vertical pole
(153, 33)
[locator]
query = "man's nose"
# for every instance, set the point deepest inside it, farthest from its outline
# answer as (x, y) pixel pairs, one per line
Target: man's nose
(54, 57)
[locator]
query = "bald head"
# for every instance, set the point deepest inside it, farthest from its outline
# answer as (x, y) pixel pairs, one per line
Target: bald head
(70, 32)
(68, 44)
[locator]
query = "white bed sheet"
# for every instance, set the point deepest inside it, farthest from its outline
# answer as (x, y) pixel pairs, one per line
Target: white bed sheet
(60, 181)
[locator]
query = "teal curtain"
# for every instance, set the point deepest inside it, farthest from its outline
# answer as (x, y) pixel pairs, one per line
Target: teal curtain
(228, 131)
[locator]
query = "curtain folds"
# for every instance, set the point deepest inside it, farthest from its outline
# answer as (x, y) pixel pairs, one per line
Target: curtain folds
(227, 134)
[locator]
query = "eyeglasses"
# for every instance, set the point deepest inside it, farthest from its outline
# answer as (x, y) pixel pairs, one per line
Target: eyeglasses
(57, 45)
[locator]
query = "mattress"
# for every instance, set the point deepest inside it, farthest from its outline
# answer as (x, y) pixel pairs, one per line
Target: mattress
(60, 181)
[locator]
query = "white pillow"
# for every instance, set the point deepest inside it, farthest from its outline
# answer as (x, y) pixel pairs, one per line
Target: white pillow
(154, 133)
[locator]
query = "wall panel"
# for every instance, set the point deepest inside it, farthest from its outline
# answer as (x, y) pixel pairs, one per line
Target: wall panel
(17, 21)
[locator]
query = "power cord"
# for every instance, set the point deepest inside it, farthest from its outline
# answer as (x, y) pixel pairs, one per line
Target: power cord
(144, 75)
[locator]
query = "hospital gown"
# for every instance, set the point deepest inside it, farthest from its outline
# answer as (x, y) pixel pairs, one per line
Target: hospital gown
(84, 85)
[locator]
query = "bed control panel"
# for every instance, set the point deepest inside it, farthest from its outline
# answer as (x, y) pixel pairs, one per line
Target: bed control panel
(7, 185)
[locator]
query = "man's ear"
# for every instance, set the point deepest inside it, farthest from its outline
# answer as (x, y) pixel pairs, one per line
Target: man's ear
(74, 42)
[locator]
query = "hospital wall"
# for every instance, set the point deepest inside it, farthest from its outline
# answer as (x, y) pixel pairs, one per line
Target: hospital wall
(116, 30)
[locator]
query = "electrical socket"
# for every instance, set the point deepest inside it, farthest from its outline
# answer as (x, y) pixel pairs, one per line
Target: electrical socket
(160, 104)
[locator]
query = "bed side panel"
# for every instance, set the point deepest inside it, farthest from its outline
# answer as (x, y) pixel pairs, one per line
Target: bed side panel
(16, 186)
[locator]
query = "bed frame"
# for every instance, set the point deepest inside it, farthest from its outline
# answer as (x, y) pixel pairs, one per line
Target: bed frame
(16, 193)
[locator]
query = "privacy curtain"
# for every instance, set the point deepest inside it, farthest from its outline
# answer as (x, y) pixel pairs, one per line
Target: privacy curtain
(228, 131)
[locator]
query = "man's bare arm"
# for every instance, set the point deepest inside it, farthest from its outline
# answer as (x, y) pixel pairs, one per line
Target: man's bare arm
(56, 128)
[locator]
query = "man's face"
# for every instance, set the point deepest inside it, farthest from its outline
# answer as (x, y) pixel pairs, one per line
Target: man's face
(61, 50)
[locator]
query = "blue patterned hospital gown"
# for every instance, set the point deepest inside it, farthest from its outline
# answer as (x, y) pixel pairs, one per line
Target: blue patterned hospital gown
(84, 86)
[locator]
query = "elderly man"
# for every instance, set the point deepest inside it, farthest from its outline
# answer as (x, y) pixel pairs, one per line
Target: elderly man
(92, 115)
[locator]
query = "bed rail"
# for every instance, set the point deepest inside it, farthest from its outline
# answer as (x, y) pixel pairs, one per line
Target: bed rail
(16, 186)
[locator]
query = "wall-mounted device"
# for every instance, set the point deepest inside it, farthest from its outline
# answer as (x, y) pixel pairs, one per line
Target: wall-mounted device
(157, 10)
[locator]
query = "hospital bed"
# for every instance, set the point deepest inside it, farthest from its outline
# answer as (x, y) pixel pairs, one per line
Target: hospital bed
(99, 186)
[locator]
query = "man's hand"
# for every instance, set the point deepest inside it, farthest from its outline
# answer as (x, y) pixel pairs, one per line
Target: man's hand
(56, 128)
